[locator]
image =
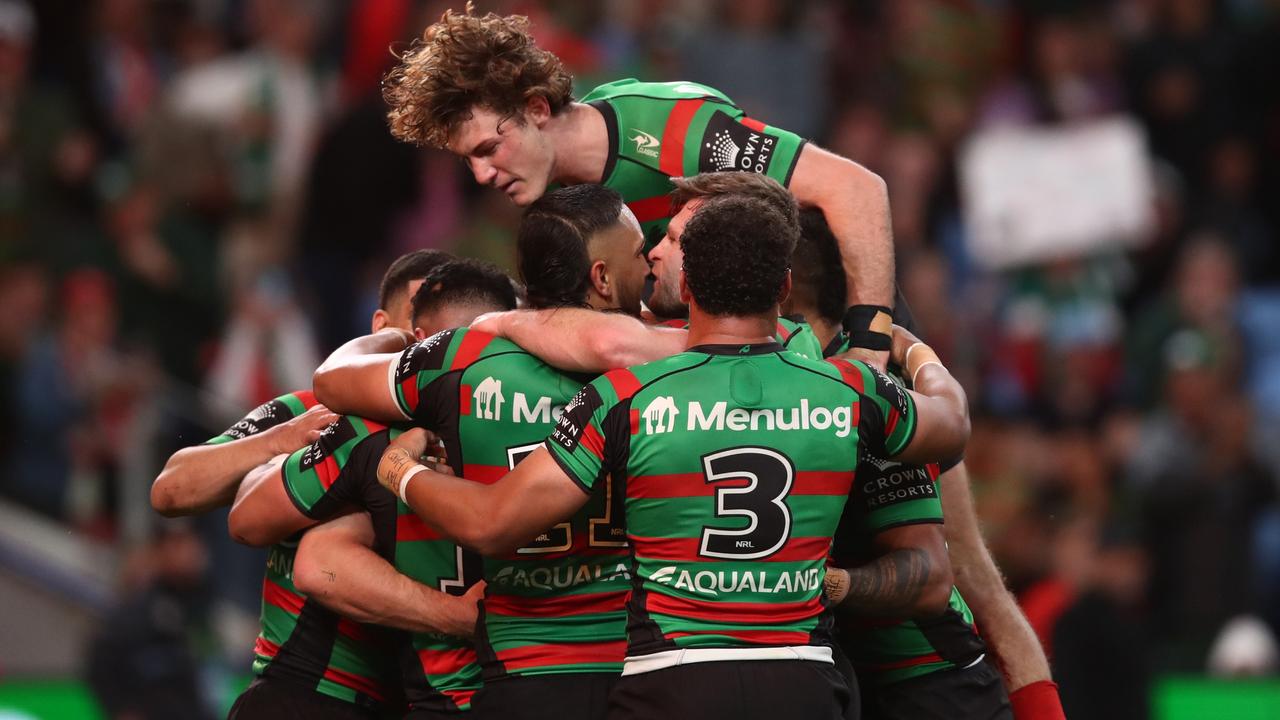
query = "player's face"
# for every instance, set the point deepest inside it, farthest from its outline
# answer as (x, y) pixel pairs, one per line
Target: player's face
(622, 249)
(505, 153)
(667, 259)
(399, 311)
(448, 317)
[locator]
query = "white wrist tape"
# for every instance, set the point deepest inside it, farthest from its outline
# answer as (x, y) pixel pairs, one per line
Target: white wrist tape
(406, 477)
(923, 365)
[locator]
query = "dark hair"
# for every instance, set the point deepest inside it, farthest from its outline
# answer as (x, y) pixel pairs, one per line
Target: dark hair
(737, 251)
(407, 268)
(733, 182)
(463, 62)
(464, 280)
(551, 245)
(816, 272)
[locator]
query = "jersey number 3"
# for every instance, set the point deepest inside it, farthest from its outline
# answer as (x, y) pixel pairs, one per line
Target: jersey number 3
(769, 475)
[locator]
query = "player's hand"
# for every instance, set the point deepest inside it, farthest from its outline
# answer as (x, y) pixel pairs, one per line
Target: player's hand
(300, 431)
(902, 340)
(403, 452)
(836, 585)
(466, 609)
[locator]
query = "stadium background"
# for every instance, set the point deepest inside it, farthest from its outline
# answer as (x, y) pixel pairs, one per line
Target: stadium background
(197, 198)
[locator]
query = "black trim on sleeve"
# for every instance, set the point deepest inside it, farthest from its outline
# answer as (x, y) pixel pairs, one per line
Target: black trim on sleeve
(572, 475)
(289, 494)
(794, 162)
(944, 467)
(908, 523)
(611, 125)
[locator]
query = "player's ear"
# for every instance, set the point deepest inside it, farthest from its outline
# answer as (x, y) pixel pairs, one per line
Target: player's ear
(537, 110)
(686, 297)
(786, 289)
(420, 333)
(600, 279)
(380, 320)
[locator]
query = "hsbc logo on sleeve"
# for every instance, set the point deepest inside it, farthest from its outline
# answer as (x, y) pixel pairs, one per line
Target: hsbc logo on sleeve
(729, 145)
(646, 144)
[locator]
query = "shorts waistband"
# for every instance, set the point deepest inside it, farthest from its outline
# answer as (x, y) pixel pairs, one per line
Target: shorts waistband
(638, 664)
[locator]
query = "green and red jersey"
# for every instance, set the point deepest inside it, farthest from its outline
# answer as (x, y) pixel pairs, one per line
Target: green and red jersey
(438, 672)
(301, 641)
(557, 605)
(792, 333)
(677, 129)
(737, 462)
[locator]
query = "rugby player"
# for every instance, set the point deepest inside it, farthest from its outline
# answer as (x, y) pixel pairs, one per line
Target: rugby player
(919, 652)
(308, 660)
(589, 342)
(552, 632)
(437, 661)
(481, 88)
(737, 458)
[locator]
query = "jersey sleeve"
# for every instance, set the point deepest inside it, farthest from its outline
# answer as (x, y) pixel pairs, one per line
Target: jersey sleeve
(886, 412)
(797, 336)
(421, 364)
(724, 138)
(579, 442)
(336, 470)
(266, 416)
(889, 494)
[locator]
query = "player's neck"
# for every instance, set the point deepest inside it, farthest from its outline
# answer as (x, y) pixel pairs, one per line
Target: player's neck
(581, 142)
(824, 330)
(706, 329)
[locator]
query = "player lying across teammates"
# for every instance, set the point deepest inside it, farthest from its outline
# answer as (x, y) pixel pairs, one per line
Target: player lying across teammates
(726, 461)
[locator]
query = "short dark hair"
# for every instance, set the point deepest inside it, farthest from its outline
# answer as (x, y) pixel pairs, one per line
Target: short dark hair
(465, 280)
(705, 186)
(737, 251)
(816, 272)
(551, 245)
(407, 268)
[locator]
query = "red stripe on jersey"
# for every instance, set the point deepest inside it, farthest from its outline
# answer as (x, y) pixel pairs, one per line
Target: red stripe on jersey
(556, 605)
(446, 662)
(473, 343)
(265, 647)
(409, 389)
(328, 471)
(464, 399)
(909, 662)
(806, 482)
(783, 333)
(410, 527)
(891, 422)
(671, 161)
(484, 474)
(354, 630)
(281, 597)
(306, 397)
(373, 427)
(756, 637)
(797, 549)
(746, 613)
(593, 441)
(635, 421)
(752, 123)
(652, 208)
(525, 656)
(851, 376)
(459, 697)
(624, 383)
(359, 683)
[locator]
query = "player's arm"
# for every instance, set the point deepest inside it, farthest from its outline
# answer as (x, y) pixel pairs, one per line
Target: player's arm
(855, 202)
(263, 514)
(490, 519)
(1004, 628)
(910, 579)
(336, 565)
(354, 379)
(202, 477)
(581, 340)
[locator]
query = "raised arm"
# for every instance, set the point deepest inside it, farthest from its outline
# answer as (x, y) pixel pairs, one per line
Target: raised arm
(581, 340)
(336, 566)
(202, 477)
(910, 579)
(855, 202)
(490, 519)
(942, 409)
(354, 379)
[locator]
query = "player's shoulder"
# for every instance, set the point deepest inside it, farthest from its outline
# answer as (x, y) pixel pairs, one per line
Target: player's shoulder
(633, 88)
(622, 384)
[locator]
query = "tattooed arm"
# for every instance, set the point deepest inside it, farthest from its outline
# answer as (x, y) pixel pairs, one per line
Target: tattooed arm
(911, 578)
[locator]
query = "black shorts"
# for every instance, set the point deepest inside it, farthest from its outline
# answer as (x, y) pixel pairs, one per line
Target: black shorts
(571, 696)
(275, 699)
(973, 693)
(733, 690)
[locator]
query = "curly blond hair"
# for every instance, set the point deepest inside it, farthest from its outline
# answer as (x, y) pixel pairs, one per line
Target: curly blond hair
(464, 61)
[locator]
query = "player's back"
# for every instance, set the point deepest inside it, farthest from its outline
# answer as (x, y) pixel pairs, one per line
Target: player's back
(738, 461)
(556, 605)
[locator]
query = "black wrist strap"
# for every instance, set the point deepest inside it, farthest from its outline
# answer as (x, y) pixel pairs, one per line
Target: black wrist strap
(859, 321)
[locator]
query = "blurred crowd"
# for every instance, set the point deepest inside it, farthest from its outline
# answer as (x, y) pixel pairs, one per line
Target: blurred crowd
(197, 198)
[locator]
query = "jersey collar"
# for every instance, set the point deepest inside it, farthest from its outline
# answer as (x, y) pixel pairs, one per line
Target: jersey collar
(748, 349)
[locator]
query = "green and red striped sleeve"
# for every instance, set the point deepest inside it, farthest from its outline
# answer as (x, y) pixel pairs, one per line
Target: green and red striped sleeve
(421, 364)
(333, 471)
(886, 412)
(578, 442)
(266, 416)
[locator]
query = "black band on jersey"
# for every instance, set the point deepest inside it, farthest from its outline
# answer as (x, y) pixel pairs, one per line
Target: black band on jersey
(858, 321)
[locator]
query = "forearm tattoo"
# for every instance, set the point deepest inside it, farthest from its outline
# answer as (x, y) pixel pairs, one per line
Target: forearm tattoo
(393, 465)
(890, 584)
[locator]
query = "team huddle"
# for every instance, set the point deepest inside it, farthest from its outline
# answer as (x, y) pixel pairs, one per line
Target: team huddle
(689, 463)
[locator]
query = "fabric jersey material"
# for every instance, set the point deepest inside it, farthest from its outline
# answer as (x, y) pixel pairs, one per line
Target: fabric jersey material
(438, 672)
(971, 693)
(677, 129)
(734, 486)
(277, 699)
(556, 605)
(300, 640)
(756, 690)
